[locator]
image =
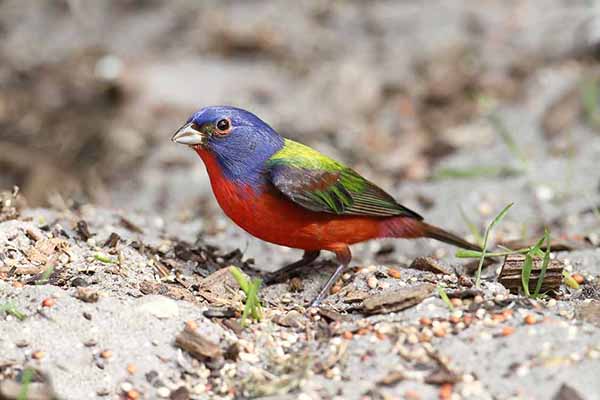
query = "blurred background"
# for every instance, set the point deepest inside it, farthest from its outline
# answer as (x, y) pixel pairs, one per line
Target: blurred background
(407, 92)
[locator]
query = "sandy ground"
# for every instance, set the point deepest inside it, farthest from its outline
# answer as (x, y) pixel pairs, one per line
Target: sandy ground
(412, 96)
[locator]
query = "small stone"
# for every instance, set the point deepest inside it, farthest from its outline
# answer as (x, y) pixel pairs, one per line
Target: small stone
(335, 289)
(347, 335)
(126, 387)
(17, 284)
(456, 302)
(38, 355)
(163, 392)
(160, 307)
(372, 282)
(530, 319)
(425, 321)
(133, 394)
(478, 299)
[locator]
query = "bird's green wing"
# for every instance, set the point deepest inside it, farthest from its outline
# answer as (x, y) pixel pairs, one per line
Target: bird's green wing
(318, 183)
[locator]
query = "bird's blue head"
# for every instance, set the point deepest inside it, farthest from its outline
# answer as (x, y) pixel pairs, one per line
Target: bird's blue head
(240, 141)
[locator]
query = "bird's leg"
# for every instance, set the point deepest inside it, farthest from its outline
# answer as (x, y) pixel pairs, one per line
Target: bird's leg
(343, 256)
(284, 272)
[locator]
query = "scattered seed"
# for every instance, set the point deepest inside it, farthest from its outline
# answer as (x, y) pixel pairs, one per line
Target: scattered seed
(456, 302)
(106, 354)
(131, 369)
(48, 302)
(530, 319)
(38, 355)
(425, 321)
(372, 282)
(133, 394)
(508, 330)
(578, 277)
(335, 289)
(445, 392)
(439, 331)
(394, 273)
(191, 325)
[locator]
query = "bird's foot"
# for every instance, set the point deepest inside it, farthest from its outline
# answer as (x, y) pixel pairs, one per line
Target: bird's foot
(287, 271)
(324, 292)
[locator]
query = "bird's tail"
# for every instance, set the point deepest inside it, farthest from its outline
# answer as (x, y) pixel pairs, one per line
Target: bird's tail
(407, 227)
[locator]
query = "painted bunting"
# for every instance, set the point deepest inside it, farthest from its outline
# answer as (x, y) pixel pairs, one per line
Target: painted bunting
(286, 193)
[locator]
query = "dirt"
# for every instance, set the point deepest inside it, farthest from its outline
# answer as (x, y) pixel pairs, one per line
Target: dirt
(114, 246)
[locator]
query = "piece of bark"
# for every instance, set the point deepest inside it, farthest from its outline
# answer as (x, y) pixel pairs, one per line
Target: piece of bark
(392, 378)
(510, 275)
(397, 300)
(566, 392)
(198, 346)
(555, 245)
(429, 264)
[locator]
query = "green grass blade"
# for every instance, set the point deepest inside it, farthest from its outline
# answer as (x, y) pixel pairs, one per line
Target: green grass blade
(445, 298)
(486, 236)
(11, 309)
(240, 279)
(472, 227)
(25, 382)
(526, 273)
(507, 138)
(545, 264)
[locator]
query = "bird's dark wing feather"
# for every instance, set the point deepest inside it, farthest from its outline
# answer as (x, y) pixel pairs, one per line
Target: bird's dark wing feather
(339, 191)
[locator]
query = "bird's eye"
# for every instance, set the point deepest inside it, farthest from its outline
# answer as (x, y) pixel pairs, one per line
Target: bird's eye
(223, 126)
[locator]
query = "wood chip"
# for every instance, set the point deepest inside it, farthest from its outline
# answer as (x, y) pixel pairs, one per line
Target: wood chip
(397, 300)
(510, 275)
(392, 378)
(430, 264)
(198, 346)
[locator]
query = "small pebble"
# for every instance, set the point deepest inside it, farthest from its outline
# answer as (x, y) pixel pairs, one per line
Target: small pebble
(335, 289)
(478, 299)
(38, 355)
(126, 387)
(133, 394)
(347, 335)
(530, 319)
(372, 282)
(163, 392)
(17, 284)
(425, 321)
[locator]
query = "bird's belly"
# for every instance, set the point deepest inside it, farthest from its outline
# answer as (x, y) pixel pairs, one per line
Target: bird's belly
(275, 219)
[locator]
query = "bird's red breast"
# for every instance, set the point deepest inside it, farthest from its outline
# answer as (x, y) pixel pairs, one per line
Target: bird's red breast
(273, 218)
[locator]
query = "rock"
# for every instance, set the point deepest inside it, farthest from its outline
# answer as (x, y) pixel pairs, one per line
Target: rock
(160, 307)
(589, 312)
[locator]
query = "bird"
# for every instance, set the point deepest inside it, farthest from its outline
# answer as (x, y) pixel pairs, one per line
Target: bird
(289, 194)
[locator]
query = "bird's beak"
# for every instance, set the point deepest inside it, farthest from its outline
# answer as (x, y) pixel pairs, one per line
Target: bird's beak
(189, 136)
